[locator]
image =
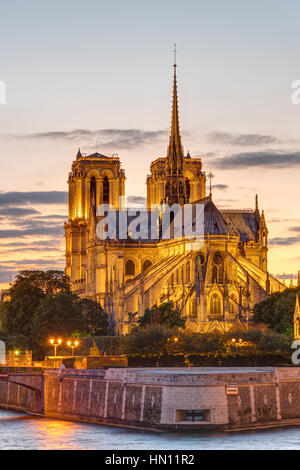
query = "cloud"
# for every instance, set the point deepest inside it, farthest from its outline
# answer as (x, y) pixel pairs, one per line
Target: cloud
(221, 187)
(282, 220)
(284, 241)
(25, 262)
(136, 200)
(38, 243)
(17, 211)
(42, 231)
(294, 229)
(268, 159)
(7, 276)
(241, 139)
(107, 138)
(33, 197)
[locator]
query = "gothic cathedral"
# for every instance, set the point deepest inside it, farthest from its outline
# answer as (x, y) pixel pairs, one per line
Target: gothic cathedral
(215, 287)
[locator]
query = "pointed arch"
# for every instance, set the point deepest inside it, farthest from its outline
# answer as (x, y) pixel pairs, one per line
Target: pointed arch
(129, 268)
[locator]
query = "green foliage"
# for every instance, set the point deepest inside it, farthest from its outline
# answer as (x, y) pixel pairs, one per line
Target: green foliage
(277, 311)
(41, 305)
(95, 317)
(164, 315)
(57, 314)
(161, 341)
(151, 340)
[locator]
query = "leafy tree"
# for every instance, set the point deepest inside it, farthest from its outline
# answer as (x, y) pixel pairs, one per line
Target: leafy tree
(18, 312)
(151, 340)
(164, 315)
(49, 282)
(277, 311)
(96, 319)
(57, 316)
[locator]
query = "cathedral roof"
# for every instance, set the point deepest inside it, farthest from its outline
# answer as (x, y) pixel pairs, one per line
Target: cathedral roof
(244, 222)
(98, 155)
(214, 222)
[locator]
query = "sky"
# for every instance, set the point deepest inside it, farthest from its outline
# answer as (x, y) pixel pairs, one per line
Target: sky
(98, 75)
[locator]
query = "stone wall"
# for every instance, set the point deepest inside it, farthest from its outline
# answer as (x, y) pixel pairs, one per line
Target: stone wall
(163, 398)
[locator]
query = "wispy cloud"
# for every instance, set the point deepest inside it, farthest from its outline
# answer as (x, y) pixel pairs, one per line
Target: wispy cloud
(220, 187)
(276, 159)
(108, 138)
(139, 200)
(17, 211)
(284, 241)
(243, 140)
(33, 197)
(36, 231)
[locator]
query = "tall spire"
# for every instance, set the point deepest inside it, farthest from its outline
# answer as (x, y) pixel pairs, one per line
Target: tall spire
(177, 190)
(175, 151)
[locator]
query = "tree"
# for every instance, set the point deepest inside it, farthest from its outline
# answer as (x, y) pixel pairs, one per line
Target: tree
(96, 319)
(151, 340)
(57, 316)
(164, 315)
(18, 312)
(277, 311)
(49, 282)
(29, 288)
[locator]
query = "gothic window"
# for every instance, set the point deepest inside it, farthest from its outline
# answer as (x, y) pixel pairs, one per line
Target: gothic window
(264, 239)
(200, 267)
(218, 269)
(93, 194)
(187, 188)
(233, 305)
(129, 268)
(146, 265)
(215, 304)
(105, 190)
(167, 189)
(187, 272)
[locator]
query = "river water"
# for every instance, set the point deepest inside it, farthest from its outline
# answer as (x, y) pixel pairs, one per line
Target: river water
(21, 431)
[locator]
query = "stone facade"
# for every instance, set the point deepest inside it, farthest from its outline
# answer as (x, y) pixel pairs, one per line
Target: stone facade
(214, 287)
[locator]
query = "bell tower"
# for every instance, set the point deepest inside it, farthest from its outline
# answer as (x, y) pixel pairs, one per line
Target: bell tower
(94, 179)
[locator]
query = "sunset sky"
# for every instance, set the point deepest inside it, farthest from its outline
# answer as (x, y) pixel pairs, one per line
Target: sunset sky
(98, 74)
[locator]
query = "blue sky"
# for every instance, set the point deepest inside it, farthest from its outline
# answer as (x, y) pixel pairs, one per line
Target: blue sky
(99, 65)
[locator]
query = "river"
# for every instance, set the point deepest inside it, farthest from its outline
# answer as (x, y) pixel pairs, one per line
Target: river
(21, 431)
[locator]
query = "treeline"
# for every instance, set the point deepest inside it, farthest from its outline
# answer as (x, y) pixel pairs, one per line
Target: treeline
(41, 305)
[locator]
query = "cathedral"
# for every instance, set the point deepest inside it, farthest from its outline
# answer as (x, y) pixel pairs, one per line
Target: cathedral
(213, 288)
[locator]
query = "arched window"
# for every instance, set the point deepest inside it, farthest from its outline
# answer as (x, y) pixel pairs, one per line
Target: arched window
(93, 194)
(218, 269)
(105, 190)
(233, 305)
(215, 304)
(146, 265)
(187, 188)
(129, 268)
(200, 267)
(187, 272)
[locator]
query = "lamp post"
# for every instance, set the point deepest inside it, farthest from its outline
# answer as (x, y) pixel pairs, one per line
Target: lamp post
(55, 345)
(73, 346)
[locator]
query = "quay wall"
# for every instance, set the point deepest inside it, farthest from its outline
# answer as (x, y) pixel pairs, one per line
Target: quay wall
(225, 398)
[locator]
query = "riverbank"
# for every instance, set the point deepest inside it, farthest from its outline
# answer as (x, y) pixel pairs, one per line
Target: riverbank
(161, 399)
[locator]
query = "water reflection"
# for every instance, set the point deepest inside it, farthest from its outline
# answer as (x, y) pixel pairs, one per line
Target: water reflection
(20, 431)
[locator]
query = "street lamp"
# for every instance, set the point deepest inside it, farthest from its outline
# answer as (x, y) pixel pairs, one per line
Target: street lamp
(55, 344)
(72, 346)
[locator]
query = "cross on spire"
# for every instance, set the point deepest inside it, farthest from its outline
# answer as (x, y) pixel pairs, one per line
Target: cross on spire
(175, 54)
